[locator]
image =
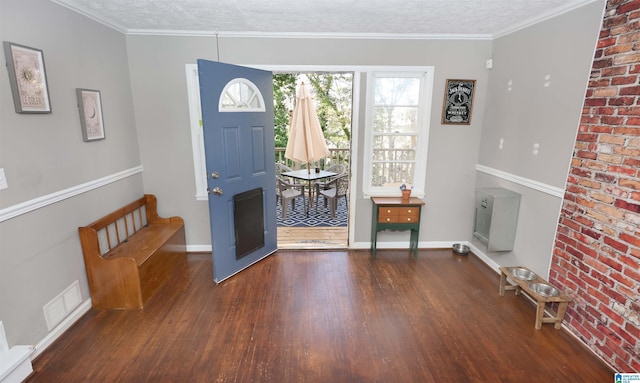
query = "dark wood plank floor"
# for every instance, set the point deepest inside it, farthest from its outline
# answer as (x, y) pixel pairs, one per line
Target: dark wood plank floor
(318, 316)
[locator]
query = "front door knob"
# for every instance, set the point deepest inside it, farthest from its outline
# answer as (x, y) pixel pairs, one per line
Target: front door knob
(216, 190)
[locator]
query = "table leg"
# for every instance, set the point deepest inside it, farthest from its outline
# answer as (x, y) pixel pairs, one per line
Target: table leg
(562, 309)
(374, 241)
(503, 282)
(414, 242)
(539, 314)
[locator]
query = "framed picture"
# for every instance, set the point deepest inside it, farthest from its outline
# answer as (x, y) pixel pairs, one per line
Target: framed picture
(28, 78)
(458, 102)
(90, 107)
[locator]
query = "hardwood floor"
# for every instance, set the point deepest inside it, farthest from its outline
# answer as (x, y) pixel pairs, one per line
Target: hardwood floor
(324, 316)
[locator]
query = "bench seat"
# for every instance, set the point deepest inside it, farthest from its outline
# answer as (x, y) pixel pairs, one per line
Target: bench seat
(129, 253)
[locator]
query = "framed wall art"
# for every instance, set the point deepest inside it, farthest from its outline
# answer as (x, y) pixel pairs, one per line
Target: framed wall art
(28, 78)
(90, 108)
(458, 102)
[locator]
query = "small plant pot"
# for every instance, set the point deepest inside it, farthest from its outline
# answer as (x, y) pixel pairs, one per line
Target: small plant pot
(406, 194)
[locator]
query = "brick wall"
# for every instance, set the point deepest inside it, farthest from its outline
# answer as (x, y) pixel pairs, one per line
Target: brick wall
(597, 249)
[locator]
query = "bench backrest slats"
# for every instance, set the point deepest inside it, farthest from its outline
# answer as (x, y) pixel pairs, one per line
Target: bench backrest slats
(120, 225)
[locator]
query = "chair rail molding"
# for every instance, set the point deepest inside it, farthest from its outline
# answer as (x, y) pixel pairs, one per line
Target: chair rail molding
(48, 199)
(527, 182)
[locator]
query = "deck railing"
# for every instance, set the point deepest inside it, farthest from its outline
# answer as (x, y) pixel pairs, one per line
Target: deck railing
(336, 156)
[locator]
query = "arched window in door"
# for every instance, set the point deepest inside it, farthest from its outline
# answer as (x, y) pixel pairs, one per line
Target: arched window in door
(241, 95)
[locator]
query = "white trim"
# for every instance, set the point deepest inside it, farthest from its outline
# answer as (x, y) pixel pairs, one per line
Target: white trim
(197, 134)
(426, 76)
(311, 35)
(100, 18)
(62, 327)
(236, 109)
(48, 199)
(568, 7)
(199, 248)
(532, 184)
(97, 17)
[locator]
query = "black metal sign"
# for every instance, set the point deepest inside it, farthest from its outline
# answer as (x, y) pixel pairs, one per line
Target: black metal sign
(458, 102)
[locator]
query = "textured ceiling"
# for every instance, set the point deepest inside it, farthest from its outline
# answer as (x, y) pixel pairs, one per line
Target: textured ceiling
(487, 18)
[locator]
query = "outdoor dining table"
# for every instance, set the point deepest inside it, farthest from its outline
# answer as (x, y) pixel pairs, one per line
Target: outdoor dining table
(310, 176)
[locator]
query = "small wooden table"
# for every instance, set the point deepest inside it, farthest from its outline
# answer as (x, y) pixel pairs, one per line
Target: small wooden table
(541, 300)
(395, 213)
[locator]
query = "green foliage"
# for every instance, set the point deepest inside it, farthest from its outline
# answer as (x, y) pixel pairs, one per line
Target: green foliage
(284, 92)
(332, 93)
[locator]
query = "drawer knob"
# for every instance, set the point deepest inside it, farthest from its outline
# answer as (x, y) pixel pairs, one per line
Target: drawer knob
(388, 219)
(409, 219)
(408, 210)
(388, 211)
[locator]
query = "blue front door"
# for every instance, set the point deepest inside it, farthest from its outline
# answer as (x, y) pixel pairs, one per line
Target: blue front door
(237, 117)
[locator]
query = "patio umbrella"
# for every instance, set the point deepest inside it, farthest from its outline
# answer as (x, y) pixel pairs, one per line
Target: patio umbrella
(306, 140)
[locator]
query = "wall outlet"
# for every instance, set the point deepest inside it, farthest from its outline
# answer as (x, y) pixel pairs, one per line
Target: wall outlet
(3, 180)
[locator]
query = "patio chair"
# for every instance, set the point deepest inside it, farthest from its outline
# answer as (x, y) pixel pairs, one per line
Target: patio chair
(286, 192)
(280, 168)
(322, 185)
(336, 188)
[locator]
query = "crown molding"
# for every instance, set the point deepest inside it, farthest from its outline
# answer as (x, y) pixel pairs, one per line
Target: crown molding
(69, 4)
(113, 24)
(308, 35)
(568, 7)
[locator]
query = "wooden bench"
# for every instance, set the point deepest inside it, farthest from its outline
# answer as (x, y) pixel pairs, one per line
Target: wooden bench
(130, 252)
(541, 299)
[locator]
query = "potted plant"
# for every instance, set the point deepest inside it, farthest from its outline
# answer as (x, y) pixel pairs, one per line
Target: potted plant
(406, 192)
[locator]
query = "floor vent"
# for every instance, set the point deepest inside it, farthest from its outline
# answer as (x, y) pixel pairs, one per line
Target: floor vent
(62, 305)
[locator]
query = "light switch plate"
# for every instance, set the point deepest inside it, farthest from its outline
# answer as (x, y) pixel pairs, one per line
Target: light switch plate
(3, 180)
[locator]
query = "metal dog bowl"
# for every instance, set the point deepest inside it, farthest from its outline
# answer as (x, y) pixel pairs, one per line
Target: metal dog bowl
(544, 289)
(460, 249)
(522, 273)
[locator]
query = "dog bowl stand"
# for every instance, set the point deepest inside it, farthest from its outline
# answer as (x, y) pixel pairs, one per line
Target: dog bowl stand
(541, 300)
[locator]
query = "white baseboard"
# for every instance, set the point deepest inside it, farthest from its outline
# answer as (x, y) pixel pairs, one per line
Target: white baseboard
(199, 249)
(64, 325)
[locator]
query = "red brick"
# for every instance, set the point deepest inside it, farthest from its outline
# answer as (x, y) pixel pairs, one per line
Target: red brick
(623, 280)
(632, 162)
(626, 80)
(633, 121)
(612, 263)
(613, 71)
(630, 239)
(629, 110)
(607, 42)
(634, 275)
(627, 205)
(628, 261)
(610, 22)
(622, 170)
(630, 90)
(627, 131)
(628, 7)
(611, 120)
(618, 101)
(616, 245)
(603, 101)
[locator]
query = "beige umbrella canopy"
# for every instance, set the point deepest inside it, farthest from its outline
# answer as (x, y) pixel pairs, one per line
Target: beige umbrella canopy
(306, 140)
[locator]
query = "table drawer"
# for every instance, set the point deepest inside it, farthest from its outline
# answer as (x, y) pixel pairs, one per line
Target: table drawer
(398, 214)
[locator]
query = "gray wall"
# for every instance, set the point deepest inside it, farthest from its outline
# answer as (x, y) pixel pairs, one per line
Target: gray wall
(159, 92)
(561, 48)
(40, 252)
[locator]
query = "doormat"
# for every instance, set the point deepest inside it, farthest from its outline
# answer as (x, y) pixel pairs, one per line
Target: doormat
(319, 216)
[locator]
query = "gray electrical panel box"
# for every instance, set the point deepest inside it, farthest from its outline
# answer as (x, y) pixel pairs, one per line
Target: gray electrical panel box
(496, 218)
